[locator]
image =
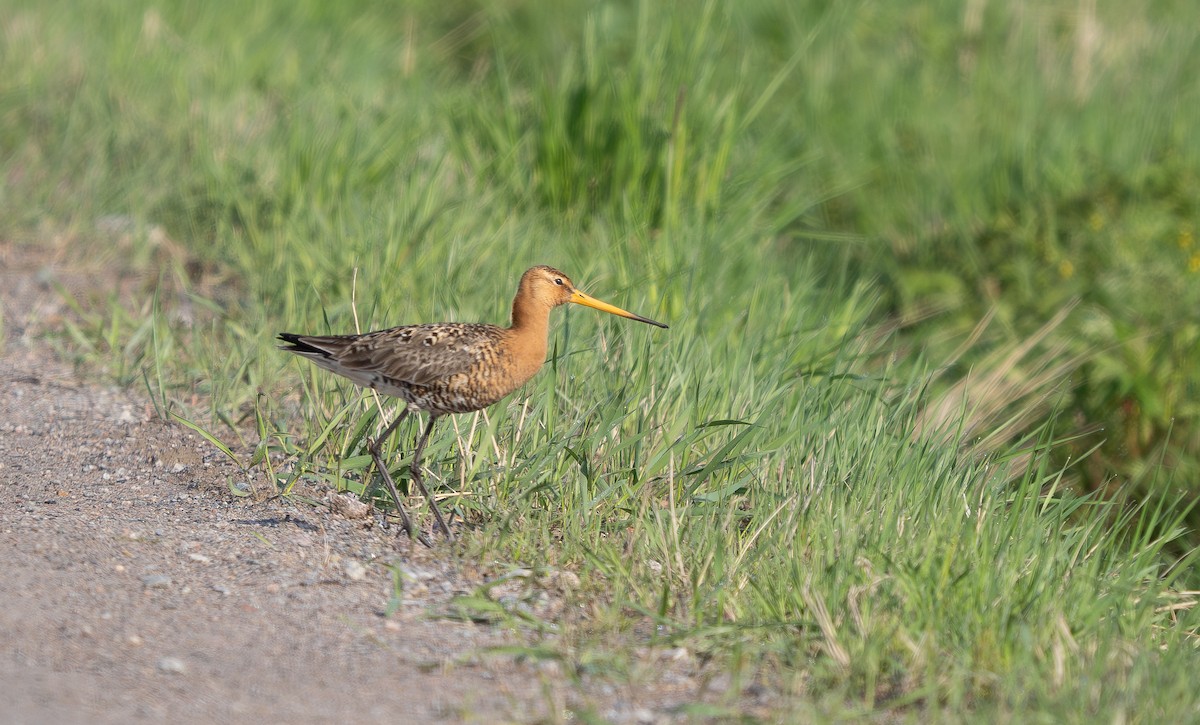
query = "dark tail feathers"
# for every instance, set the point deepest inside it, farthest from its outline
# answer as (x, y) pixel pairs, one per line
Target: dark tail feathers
(296, 344)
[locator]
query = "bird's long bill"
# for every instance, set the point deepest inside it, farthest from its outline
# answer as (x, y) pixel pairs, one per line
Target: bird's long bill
(580, 298)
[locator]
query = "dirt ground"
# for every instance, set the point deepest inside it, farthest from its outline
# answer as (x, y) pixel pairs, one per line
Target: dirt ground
(137, 587)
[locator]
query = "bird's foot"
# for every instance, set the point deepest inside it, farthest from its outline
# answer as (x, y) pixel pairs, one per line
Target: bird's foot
(407, 522)
(437, 514)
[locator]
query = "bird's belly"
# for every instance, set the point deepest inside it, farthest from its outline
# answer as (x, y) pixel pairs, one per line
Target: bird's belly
(462, 393)
(475, 390)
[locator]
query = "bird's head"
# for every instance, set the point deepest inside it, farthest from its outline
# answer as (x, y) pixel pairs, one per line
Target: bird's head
(552, 288)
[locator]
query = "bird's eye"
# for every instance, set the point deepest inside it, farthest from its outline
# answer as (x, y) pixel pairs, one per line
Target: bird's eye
(558, 281)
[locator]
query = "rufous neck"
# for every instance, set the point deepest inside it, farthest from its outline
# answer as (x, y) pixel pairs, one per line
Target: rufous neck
(530, 316)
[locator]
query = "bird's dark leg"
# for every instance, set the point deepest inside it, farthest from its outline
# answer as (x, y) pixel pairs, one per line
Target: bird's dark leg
(416, 475)
(373, 448)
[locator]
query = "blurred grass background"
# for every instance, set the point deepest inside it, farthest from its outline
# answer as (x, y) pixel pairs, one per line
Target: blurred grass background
(925, 433)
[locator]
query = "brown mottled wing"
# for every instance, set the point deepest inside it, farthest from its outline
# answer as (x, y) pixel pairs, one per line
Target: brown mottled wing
(410, 355)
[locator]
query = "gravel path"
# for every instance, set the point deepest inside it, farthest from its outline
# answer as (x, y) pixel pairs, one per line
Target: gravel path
(136, 586)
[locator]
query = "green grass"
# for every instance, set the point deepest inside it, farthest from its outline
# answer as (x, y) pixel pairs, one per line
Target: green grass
(922, 438)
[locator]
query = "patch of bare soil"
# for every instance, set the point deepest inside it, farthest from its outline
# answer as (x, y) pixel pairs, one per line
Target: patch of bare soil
(137, 587)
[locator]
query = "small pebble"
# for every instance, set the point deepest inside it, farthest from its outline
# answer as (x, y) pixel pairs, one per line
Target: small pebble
(678, 654)
(355, 570)
(349, 506)
(156, 581)
(172, 666)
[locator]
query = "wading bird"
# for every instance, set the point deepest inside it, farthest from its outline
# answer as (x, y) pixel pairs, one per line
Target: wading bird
(449, 367)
